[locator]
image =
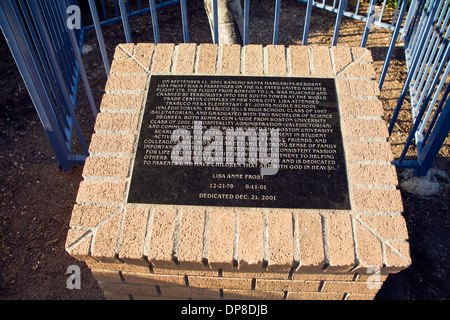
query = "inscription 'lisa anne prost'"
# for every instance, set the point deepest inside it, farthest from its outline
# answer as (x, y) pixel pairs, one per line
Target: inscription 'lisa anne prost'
(242, 142)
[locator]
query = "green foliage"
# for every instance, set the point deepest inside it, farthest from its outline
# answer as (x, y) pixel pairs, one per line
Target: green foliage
(393, 3)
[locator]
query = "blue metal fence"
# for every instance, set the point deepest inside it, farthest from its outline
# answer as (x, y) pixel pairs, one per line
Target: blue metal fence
(122, 12)
(48, 56)
(427, 53)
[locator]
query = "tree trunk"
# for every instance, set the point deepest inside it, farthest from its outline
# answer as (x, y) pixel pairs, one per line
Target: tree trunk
(230, 20)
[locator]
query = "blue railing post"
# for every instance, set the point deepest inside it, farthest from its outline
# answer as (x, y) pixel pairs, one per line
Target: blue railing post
(154, 21)
(35, 63)
(215, 22)
(397, 28)
(342, 6)
(435, 141)
(79, 59)
(307, 22)
(276, 23)
(184, 20)
(246, 21)
(124, 15)
(100, 39)
(370, 13)
(415, 62)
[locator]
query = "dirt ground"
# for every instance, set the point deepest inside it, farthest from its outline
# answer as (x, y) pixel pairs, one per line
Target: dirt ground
(36, 197)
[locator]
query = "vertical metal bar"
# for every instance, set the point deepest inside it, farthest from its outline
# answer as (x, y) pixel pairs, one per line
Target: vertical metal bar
(215, 22)
(128, 6)
(413, 13)
(42, 66)
(154, 21)
(307, 22)
(395, 13)
(337, 26)
(433, 46)
(79, 59)
(382, 11)
(437, 93)
(104, 10)
(429, 32)
(46, 58)
(60, 47)
(392, 43)
(59, 25)
(369, 20)
(126, 26)
(436, 140)
(98, 31)
(409, 77)
(276, 23)
(419, 117)
(246, 21)
(116, 10)
(71, 108)
(184, 20)
(24, 59)
(421, 25)
(357, 7)
(436, 116)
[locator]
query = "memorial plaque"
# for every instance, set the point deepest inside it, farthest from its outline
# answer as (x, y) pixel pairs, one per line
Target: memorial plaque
(268, 142)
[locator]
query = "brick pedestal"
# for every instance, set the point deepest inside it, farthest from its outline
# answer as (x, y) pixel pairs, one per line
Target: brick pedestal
(171, 252)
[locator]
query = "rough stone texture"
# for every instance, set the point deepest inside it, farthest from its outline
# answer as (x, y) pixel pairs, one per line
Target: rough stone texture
(299, 61)
(253, 59)
(207, 59)
(185, 58)
(231, 59)
(180, 252)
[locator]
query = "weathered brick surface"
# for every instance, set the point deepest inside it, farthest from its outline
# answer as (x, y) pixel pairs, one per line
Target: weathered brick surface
(160, 252)
(91, 215)
(181, 252)
(154, 279)
(253, 60)
(250, 240)
(143, 54)
(207, 59)
(127, 67)
(163, 58)
(189, 251)
(104, 248)
(280, 249)
(103, 192)
(125, 102)
(112, 143)
(221, 239)
(321, 61)
(251, 295)
(299, 61)
(106, 167)
(133, 235)
(231, 59)
(342, 57)
(120, 83)
(185, 58)
(276, 60)
(311, 242)
(220, 282)
(287, 285)
(340, 242)
(361, 107)
(381, 175)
